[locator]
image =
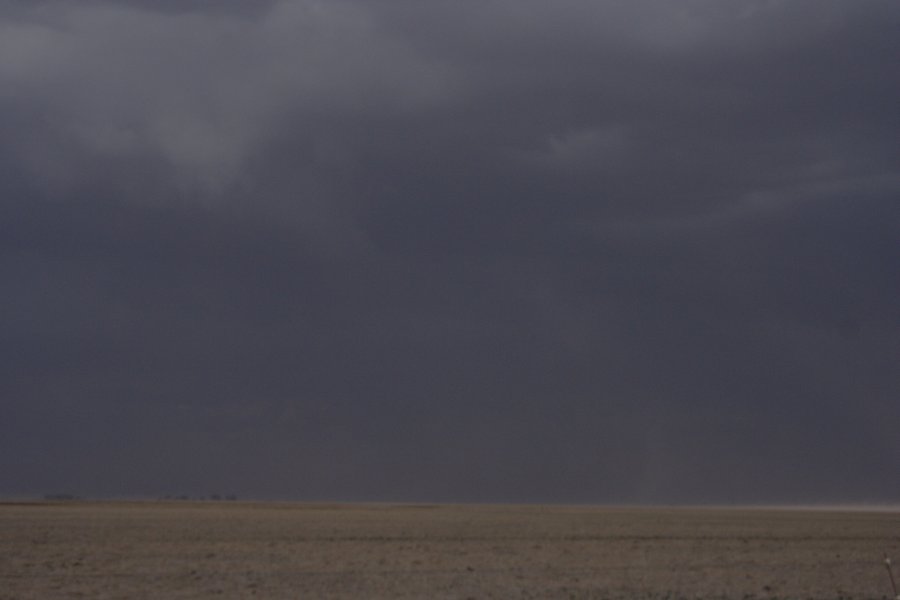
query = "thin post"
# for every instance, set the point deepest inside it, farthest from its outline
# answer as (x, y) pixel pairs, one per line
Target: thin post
(887, 565)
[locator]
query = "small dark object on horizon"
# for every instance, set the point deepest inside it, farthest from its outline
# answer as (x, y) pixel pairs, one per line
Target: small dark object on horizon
(60, 497)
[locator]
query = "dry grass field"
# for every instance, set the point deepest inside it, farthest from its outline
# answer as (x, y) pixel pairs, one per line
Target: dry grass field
(245, 550)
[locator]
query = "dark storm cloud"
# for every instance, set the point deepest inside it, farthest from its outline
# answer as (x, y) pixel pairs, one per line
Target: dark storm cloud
(599, 251)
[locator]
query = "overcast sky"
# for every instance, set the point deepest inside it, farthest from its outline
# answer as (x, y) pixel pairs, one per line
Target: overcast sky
(496, 250)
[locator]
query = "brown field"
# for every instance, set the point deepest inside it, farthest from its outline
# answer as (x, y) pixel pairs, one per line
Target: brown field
(245, 550)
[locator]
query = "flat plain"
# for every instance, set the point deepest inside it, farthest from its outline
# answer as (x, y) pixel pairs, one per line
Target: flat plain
(278, 550)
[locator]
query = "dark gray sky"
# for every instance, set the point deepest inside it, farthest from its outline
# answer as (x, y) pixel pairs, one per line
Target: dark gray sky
(505, 250)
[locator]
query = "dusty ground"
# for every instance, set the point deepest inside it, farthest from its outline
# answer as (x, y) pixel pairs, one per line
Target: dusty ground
(236, 550)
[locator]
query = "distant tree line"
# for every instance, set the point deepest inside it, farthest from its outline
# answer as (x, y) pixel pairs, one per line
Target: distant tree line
(66, 497)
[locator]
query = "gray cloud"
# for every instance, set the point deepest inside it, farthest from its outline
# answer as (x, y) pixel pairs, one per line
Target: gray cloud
(615, 251)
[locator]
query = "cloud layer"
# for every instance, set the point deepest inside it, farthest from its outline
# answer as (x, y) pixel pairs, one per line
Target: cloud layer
(594, 251)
